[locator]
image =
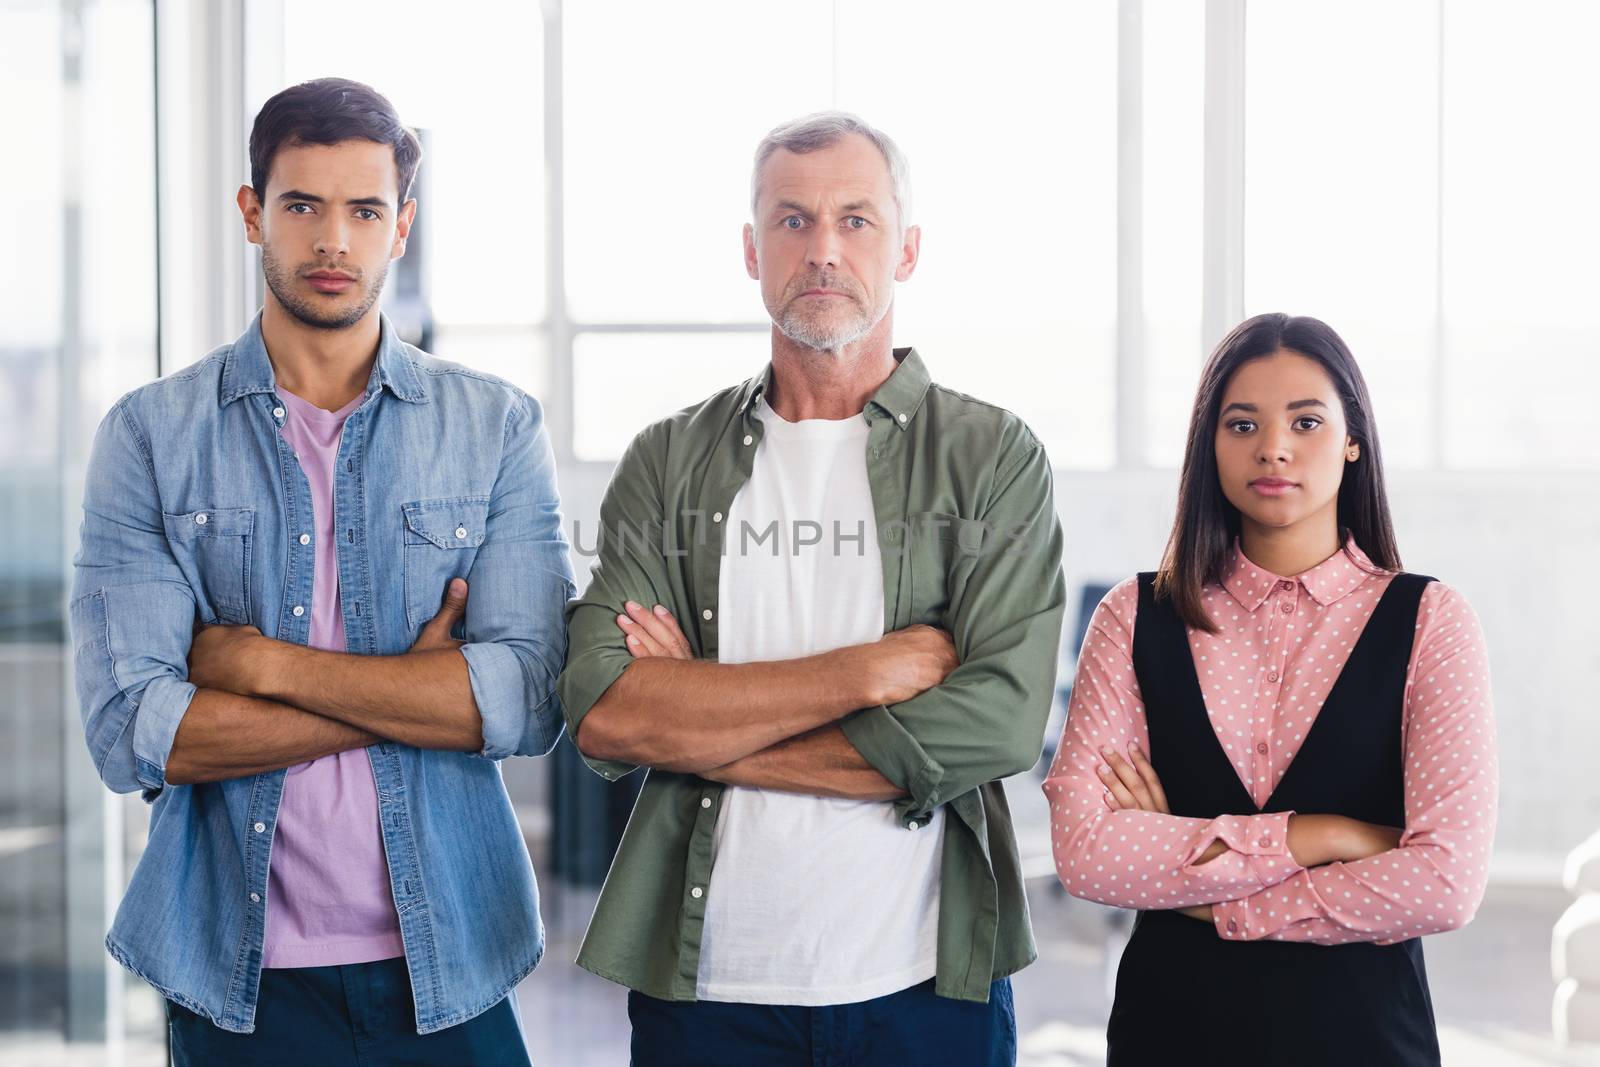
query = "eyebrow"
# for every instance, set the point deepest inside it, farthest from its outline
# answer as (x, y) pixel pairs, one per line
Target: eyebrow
(360, 201)
(1296, 406)
(788, 206)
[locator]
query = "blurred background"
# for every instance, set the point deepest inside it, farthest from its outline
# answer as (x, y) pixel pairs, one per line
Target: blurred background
(1104, 187)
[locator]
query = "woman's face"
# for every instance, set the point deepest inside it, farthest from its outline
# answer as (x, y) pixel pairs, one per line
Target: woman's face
(1281, 443)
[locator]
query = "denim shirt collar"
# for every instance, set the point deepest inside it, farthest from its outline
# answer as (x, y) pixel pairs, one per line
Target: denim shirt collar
(246, 368)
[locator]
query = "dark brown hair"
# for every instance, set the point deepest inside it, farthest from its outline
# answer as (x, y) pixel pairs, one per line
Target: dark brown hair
(1206, 524)
(327, 111)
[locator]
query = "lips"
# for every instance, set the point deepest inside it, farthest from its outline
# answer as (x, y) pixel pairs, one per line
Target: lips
(1272, 486)
(330, 281)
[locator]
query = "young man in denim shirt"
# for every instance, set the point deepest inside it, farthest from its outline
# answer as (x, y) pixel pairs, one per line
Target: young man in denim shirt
(277, 549)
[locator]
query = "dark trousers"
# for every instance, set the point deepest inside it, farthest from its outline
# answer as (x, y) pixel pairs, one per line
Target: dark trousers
(355, 1015)
(912, 1026)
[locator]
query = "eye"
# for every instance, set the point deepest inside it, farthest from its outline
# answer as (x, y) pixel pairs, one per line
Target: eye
(1242, 426)
(1307, 422)
(294, 209)
(792, 222)
(366, 214)
(856, 222)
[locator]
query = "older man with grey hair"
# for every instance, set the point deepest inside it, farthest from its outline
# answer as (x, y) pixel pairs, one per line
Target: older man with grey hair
(821, 867)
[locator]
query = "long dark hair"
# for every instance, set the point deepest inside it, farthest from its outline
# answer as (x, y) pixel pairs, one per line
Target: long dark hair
(1206, 524)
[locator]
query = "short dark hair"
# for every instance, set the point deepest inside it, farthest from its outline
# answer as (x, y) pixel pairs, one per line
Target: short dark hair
(1206, 524)
(327, 111)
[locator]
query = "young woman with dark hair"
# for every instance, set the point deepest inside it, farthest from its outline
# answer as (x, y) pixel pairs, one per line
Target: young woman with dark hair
(1280, 748)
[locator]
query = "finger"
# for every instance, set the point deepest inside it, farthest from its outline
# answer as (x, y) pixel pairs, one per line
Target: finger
(451, 607)
(640, 643)
(1152, 781)
(674, 632)
(661, 629)
(1115, 788)
(1129, 778)
(647, 628)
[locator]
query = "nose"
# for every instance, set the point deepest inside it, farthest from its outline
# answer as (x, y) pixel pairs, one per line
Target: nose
(333, 240)
(1273, 447)
(822, 250)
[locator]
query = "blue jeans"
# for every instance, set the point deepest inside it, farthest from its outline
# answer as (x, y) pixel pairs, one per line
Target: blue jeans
(912, 1026)
(359, 1014)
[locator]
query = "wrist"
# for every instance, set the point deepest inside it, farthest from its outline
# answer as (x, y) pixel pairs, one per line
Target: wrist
(1316, 840)
(263, 670)
(854, 671)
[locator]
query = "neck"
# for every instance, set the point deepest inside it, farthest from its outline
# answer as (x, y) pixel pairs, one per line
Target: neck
(1290, 550)
(328, 368)
(811, 383)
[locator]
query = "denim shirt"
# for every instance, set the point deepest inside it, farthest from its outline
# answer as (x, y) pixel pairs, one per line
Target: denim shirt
(195, 509)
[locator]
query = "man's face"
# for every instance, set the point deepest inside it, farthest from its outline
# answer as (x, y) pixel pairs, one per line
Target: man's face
(328, 229)
(827, 242)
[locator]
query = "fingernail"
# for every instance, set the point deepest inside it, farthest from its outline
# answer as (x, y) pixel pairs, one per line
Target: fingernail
(623, 620)
(630, 605)
(1106, 750)
(1105, 769)
(1133, 746)
(660, 610)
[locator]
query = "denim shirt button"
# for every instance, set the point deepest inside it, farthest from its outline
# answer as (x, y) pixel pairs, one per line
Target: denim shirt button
(305, 539)
(261, 827)
(255, 898)
(697, 892)
(299, 610)
(200, 519)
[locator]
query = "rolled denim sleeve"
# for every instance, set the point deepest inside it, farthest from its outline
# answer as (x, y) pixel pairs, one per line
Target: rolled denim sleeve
(132, 615)
(631, 522)
(518, 588)
(986, 720)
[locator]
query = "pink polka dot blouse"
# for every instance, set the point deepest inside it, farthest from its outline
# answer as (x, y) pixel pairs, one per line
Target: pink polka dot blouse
(1264, 676)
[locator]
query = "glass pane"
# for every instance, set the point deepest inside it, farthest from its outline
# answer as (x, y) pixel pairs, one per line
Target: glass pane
(77, 329)
(477, 94)
(1341, 181)
(1521, 222)
(658, 180)
(520, 356)
(622, 382)
(1013, 163)
(1174, 185)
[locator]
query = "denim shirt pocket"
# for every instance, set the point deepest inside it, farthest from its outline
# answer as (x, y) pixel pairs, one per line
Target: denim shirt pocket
(212, 548)
(943, 549)
(442, 538)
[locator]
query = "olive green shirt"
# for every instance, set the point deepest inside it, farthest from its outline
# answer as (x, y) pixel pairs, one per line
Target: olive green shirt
(971, 543)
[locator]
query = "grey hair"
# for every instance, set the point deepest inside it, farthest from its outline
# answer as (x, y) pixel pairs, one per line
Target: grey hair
(822, 129)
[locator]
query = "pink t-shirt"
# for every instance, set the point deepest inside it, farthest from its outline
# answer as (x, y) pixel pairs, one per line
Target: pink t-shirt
(328, 895)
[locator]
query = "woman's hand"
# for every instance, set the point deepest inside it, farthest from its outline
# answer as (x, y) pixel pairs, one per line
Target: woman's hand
(653, 633)
(1131, 783)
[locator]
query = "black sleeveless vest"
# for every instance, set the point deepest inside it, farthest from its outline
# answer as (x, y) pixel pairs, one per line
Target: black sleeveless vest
(1186, 995)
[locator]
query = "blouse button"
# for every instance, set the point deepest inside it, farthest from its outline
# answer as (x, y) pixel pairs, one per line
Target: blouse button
(1273, 677)
(1287, 608)
(1233, 926)
(1286, 586)
(1262, 748)
(1265, 842)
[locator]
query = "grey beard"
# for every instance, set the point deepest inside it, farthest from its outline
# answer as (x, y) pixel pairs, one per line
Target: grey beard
(823, 338)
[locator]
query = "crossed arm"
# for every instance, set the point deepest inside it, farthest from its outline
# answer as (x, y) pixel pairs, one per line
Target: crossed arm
(262, 705)
(770, 725)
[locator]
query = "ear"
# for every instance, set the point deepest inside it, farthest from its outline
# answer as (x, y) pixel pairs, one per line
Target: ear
(910, 250)
(752, 266)
(402, 228)
(250, 209)
(1352, 450)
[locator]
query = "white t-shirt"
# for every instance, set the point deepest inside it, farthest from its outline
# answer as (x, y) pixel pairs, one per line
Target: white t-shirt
(813, 900)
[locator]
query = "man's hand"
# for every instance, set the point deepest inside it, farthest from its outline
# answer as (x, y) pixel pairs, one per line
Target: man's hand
(653, 633)
(226, 658)
(906, 663)
(436, 631)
